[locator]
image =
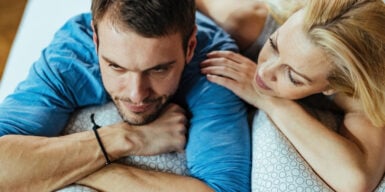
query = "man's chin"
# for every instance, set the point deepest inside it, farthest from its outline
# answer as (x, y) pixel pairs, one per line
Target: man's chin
(139, 119)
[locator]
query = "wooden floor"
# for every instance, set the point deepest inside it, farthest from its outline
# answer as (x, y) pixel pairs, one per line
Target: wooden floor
(10, 15)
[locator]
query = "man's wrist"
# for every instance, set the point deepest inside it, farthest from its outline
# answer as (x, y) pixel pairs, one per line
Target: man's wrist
(100, 142)
(116, 140)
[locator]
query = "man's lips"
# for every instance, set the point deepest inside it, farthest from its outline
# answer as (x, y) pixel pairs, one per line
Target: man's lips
(136, 108)
(260, 83)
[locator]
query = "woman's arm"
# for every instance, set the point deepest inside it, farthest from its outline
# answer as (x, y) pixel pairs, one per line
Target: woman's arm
(242, 19)
(350, 161)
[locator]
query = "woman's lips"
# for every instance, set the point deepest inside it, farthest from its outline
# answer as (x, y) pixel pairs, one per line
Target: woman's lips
(260, 83)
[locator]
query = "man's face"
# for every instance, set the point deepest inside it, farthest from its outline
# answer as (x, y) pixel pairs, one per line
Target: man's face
(140, 74)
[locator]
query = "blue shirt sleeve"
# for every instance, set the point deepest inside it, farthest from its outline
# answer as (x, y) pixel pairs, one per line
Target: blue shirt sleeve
(65, 77)
(218, 150)
(219, 147)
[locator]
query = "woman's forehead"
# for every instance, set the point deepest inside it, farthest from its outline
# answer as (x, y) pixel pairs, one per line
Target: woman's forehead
(299, 52)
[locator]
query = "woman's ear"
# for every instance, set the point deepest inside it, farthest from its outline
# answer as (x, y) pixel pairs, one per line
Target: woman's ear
(329, 91)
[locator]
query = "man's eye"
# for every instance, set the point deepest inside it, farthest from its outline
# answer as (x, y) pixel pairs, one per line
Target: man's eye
(160, 69)
(114, 67)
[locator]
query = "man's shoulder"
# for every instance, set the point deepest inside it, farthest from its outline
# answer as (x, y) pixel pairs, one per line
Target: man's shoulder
(70, 60)
(72, 46)
(212, 37)
(75, 34)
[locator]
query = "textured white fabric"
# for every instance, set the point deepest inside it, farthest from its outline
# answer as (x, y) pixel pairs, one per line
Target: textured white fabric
(107, 114)
(277, 166)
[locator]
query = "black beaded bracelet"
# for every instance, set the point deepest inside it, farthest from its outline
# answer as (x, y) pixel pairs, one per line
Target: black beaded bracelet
(95, 127)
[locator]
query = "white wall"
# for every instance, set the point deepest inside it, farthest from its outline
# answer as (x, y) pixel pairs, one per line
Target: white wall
(41, 19)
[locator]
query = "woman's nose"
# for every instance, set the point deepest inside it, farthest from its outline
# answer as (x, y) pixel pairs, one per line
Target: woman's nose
(268, 71)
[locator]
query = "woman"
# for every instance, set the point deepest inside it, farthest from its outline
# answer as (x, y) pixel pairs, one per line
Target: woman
(332, 47)
(249, 22)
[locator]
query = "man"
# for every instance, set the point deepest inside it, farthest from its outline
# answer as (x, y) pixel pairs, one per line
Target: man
(144, 56)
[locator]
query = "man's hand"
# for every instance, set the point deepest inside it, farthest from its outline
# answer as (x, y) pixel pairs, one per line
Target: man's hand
(166, 134)
(163, 135)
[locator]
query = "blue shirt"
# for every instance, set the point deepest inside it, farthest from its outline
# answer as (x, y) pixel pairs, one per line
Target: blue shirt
(67, 77)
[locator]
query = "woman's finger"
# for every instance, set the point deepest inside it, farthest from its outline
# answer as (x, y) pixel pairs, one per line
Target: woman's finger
(235, 57)
(222, 71)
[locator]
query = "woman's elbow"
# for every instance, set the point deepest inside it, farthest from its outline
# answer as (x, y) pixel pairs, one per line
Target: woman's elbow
(361, 182)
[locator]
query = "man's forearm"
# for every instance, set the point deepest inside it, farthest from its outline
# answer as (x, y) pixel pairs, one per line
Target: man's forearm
(30, 163)
(118, 177)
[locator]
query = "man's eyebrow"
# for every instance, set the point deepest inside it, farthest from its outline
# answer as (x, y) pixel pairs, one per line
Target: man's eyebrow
(108, 60)
(160, 65)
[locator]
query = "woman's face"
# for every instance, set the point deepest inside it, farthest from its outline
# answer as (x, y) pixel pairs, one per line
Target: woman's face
(290, 65)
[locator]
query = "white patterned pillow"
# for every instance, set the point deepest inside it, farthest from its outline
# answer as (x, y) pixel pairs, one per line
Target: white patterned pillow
(277, 166)
(107, 114)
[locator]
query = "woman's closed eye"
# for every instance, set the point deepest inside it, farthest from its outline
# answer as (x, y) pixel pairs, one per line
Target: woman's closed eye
(292, 79)
(273, 44)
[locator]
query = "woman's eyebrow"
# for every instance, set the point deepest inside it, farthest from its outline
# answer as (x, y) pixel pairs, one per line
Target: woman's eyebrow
(302, 75)
(276, 41)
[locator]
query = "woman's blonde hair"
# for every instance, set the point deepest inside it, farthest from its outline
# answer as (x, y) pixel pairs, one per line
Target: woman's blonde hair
(351, 32)
(281, 10)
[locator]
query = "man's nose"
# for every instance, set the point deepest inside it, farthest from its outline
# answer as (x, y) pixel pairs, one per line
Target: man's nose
(138, 90)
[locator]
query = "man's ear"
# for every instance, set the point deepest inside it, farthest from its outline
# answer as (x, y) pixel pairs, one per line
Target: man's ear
(192, 43)
(329, 91)
(94, 35)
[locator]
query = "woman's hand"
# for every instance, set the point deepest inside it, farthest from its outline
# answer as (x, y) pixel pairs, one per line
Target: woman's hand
(233, 71)
(236, 72)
